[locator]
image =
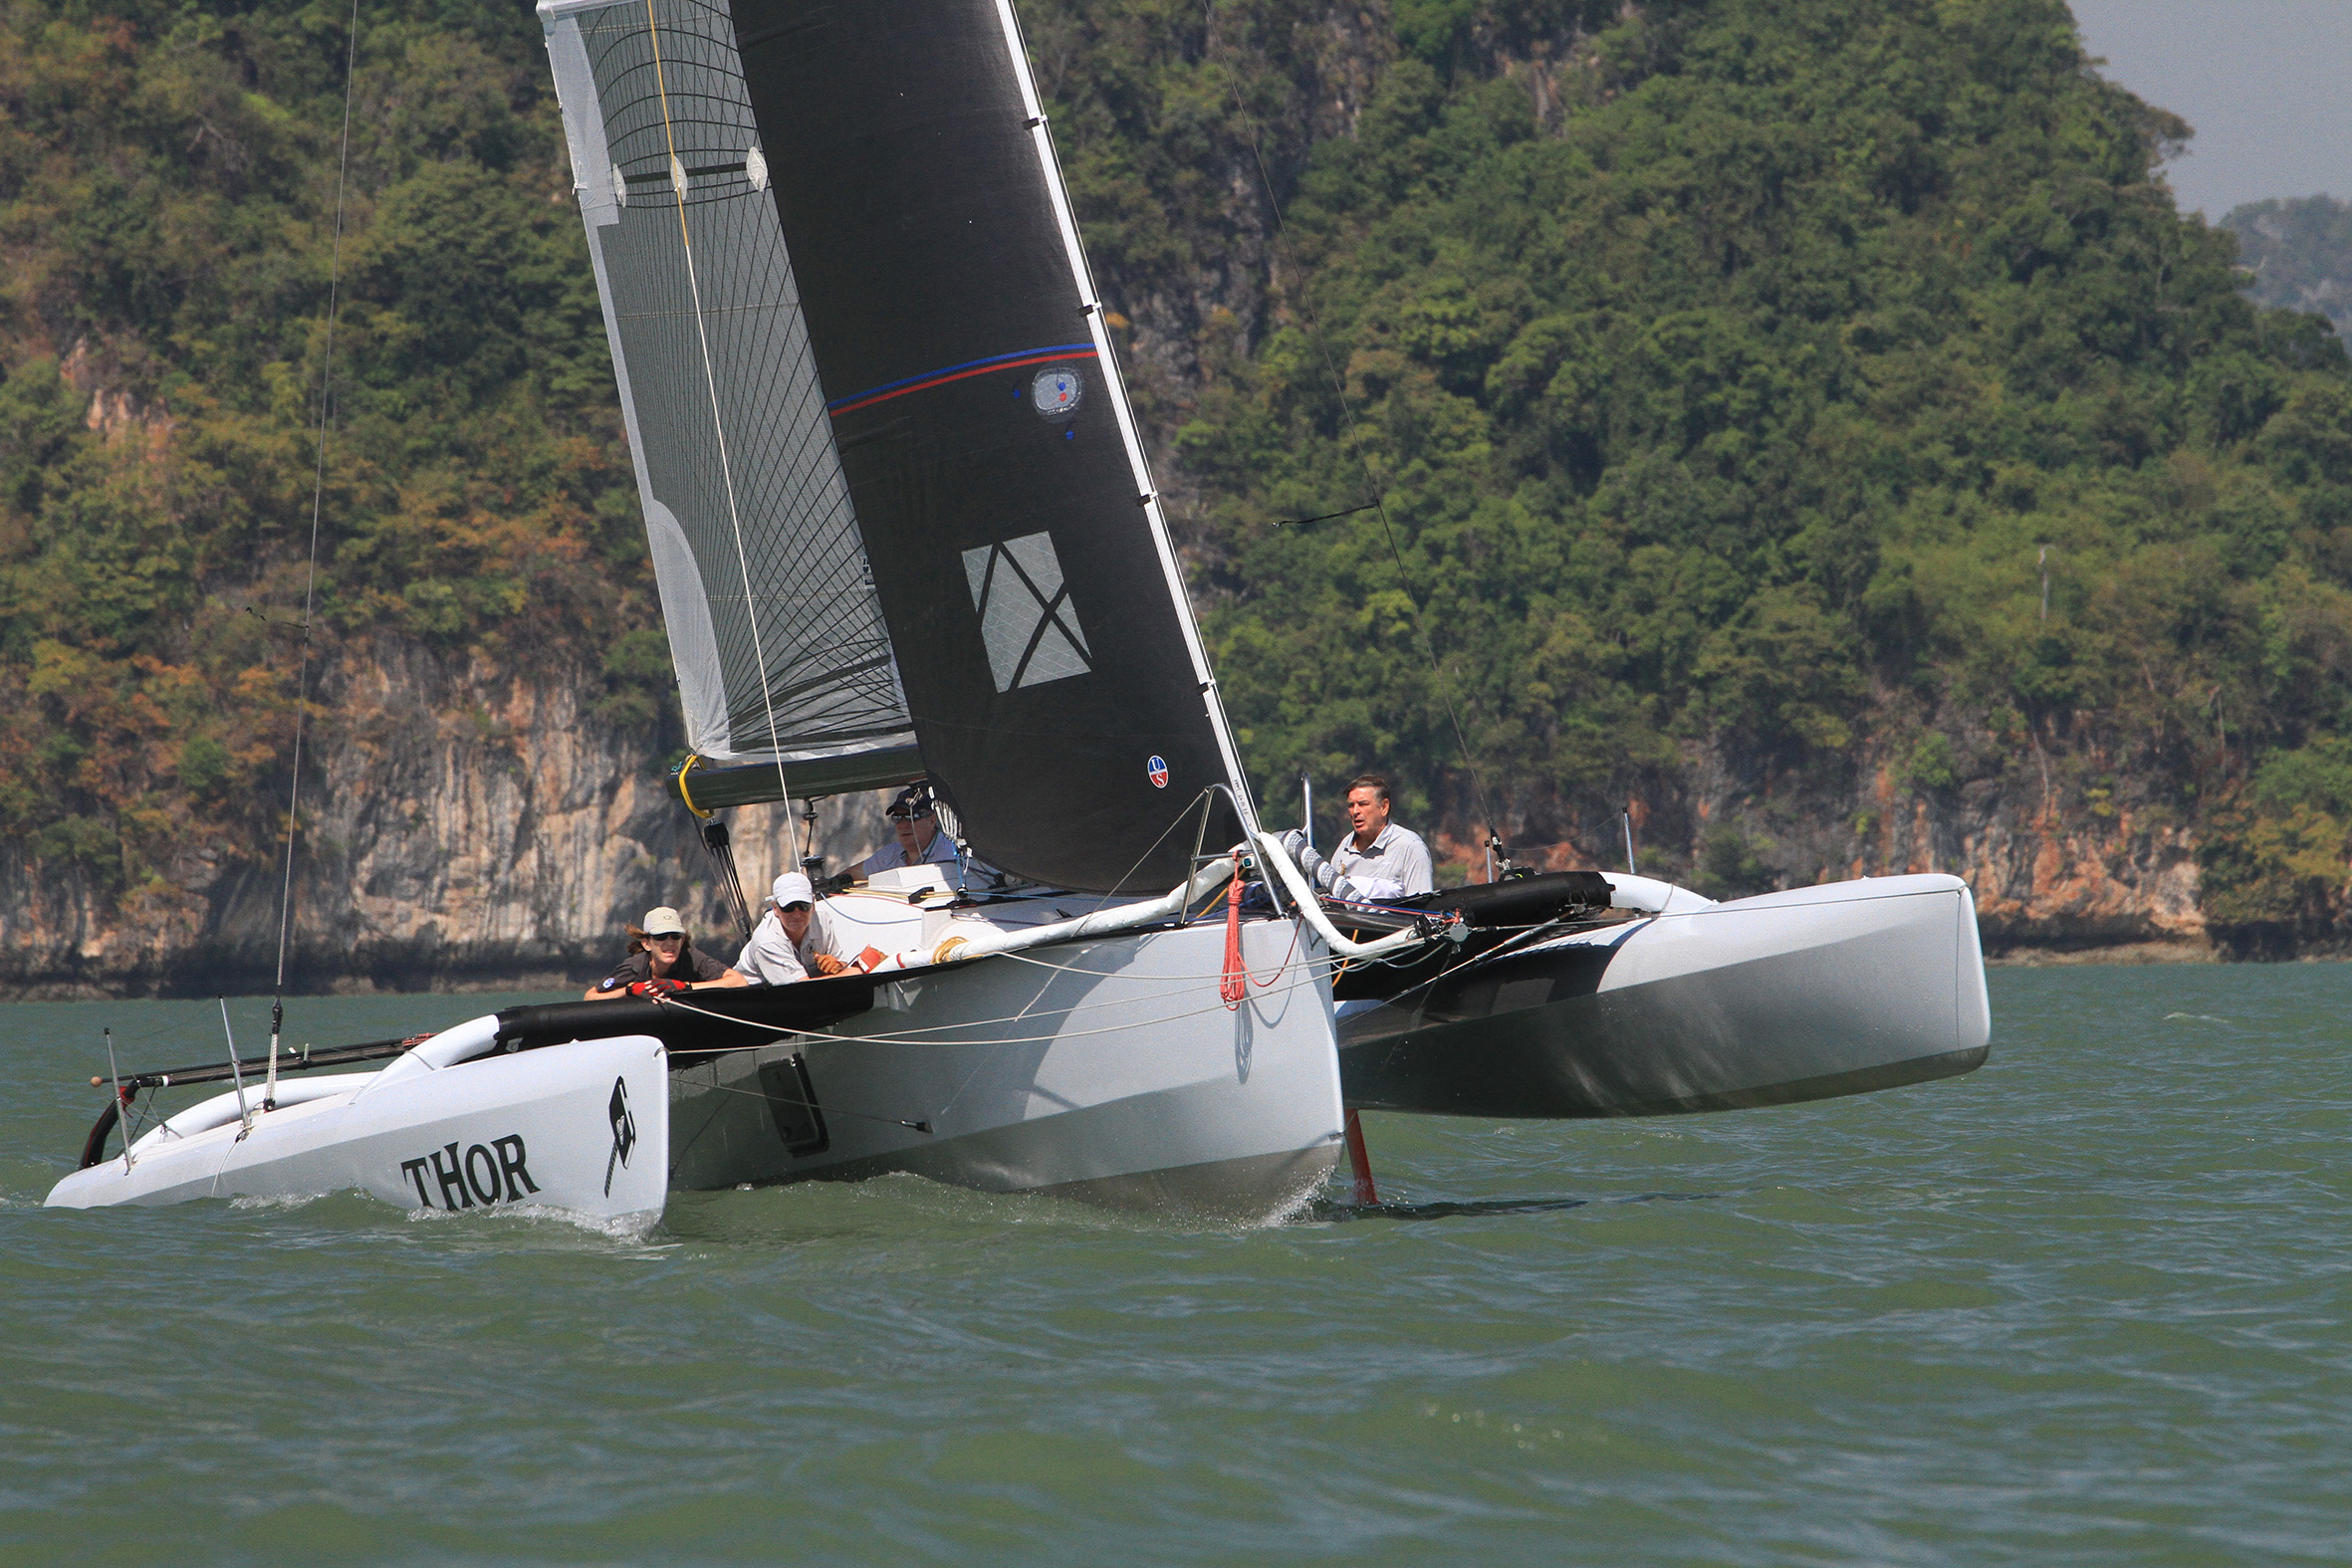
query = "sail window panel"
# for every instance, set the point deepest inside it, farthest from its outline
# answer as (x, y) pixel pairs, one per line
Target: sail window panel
(1025, 618)
(728, 423)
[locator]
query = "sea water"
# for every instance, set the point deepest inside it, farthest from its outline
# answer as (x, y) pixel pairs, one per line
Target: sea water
(2086, 1305)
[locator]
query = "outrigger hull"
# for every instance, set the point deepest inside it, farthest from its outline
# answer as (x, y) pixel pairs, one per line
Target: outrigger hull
(577, 1129)
(1805, 994)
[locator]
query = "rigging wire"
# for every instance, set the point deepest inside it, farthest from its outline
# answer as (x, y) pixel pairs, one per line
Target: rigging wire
(1379, 501)
(751, 604)
(1324, 517)
(302, 685)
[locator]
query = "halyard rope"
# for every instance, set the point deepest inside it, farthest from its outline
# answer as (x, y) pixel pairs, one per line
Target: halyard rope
(1379, 501)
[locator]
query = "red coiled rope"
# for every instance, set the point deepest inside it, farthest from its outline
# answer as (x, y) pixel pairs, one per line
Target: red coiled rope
(1234, 985)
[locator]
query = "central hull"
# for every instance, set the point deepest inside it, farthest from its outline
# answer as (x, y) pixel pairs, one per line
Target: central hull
(1107, 1070)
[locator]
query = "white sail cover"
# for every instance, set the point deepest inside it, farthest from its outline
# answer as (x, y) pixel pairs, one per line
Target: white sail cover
(762, 569)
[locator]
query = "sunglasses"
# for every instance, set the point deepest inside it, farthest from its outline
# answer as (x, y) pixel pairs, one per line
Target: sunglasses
(798, 903)
(675, 936)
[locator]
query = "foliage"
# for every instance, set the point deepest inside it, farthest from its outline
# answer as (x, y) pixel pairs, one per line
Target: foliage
(1726, 374)
(168, 205)
(2301, 254)
(1722, 372)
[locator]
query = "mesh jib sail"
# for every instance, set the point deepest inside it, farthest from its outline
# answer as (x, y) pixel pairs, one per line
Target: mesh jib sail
(761, 567)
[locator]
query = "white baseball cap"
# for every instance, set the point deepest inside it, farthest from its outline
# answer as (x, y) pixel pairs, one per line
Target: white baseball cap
(663, 921)
(792, 888)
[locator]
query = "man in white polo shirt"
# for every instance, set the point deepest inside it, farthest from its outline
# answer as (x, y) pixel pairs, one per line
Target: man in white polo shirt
(1378, 859)
(793, 941)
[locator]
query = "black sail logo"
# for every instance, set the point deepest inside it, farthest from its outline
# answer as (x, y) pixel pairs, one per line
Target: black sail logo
(624, 1131)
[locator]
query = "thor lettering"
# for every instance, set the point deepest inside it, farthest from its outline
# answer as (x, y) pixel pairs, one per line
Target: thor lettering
(493, 1173)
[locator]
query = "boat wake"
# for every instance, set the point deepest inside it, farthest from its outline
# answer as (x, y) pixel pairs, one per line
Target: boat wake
(632, 1228)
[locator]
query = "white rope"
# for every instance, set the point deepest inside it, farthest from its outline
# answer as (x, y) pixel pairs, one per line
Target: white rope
(1029, 1009)
(1100, 974)
(751, 609)
(1270, 856)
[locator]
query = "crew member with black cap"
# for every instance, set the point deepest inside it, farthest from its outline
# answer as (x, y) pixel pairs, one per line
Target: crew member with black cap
(920, 842)
(662, 959)
(793, 940)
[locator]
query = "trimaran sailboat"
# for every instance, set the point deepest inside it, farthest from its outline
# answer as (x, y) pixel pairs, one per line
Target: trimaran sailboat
(904, 528)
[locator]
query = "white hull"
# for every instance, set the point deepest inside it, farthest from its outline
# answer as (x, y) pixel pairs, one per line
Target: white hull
(575, 1128)
(1804, 994)
(1107, 1070)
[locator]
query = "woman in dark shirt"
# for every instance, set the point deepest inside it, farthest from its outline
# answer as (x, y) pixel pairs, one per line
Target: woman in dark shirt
(661, 958)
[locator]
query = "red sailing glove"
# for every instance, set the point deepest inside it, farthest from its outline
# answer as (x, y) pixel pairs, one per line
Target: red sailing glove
(657, 986)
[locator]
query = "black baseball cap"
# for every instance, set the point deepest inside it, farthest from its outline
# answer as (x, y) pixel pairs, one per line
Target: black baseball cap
(913, 800)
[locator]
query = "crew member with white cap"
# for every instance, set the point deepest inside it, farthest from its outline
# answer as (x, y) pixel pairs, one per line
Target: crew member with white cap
(792, 941)
(662, 959)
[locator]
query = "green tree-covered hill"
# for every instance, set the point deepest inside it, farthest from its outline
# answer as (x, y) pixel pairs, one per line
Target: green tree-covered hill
(1727, 376)
(167, 207)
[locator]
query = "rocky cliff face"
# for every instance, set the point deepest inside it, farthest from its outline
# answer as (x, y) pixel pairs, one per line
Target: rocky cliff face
(2054, 877)
(471, 825)
(464, 824)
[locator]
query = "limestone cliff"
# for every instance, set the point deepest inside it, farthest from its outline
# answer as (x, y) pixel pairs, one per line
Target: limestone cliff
(2054, 876)
(471, 824)
(464, 824)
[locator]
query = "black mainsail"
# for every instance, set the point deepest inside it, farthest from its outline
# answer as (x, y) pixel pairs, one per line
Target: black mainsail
(869, 298)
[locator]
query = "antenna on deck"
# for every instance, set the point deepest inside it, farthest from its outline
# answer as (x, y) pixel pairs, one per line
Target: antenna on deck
(236, 1071)
(1629, 872)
